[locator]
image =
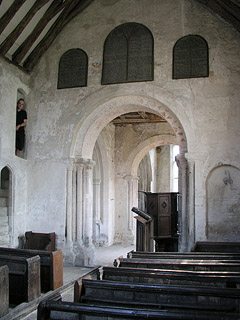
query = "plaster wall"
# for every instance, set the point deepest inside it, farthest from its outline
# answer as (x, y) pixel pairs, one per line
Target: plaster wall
(11, 80)
(59, 120)
(207, 108)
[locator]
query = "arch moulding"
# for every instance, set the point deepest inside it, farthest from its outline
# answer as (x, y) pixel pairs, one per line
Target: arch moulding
(92, 124)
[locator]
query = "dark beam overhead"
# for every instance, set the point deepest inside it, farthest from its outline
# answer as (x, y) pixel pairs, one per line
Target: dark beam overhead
(10, 40)
(52, 11)
(227, 9)
(73, 8)
(48, 25)
(10, 13)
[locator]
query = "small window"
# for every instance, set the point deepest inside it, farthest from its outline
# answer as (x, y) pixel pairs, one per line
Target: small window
(174, 168)
(128, 54)
(73, 67)
(190, 58)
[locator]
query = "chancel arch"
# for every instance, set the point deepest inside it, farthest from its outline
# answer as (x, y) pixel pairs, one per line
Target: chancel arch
(83, 144)
(91, 125)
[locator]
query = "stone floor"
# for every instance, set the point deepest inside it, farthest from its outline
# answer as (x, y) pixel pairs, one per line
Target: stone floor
(104, 256)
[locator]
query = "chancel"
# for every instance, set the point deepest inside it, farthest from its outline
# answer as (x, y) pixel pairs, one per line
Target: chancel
(130, 104)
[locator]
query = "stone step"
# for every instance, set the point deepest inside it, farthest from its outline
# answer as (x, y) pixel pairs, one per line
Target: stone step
(3, 202)
(3, 211)
(3, 193)
(3, 221)
(4, 231)
(4, 240)
(5, 184)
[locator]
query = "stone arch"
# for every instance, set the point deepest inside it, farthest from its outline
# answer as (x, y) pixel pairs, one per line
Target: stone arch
(138, 153)
(92, 124)
(98, 114)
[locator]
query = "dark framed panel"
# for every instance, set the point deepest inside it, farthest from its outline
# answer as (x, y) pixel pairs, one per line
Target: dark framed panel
(73, 69)
(190, 58)
(128, 54)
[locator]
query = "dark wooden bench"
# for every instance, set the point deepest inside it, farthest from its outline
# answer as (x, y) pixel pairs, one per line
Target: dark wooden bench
(209, 246)
(4, 290)
(159, 296)
(179, 264)
(183, 255)
(24, 278)
(51, 264)
(68, 310)
(40, 241)
(171, 277)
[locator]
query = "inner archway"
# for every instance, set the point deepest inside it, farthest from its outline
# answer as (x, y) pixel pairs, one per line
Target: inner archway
(126, 162)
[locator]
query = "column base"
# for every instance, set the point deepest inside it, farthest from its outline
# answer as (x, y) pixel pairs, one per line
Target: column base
(84, 256)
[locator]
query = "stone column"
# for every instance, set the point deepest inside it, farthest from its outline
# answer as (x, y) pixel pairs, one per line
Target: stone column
(69, 206)
(130, 202)
(74, 201)
(96, 208)
(191, 201)
(84, 249)
(88, 204)
(79, 210)
(183, 217)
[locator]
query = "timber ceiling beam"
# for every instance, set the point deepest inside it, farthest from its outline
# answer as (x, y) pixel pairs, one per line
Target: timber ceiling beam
(71, 9)
(52, 11)
(10, 13)
(227, 9)
(10, 40)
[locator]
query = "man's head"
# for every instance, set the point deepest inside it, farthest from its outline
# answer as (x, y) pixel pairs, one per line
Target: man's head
(20, 104)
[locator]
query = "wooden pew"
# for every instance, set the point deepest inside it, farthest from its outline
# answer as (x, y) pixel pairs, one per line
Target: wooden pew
(40, 241)
(209, 246)
(51, 264)
(24, 278)
(171, 277)
(183, 255)
(179, 264)
(4, 290)
(159, 296)
(68, 310)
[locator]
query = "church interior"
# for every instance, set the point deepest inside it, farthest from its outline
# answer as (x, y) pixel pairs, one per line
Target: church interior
(128, 115)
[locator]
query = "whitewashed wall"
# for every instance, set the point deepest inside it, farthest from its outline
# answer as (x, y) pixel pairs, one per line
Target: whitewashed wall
(59, 120)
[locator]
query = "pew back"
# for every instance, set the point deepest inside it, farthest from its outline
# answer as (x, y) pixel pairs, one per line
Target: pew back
(210, 246)
(156, 296)
(24, 278)
(4, 290)
(179, 264)
(40, 241)
(183, 255)
(63, 310)
(172, 277)
(51, 264)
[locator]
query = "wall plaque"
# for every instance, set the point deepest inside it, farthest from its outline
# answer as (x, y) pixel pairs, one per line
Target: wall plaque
(128, 54)
(190, 58)
(73, 67)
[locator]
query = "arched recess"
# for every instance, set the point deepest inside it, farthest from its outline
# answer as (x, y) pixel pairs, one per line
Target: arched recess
(6, 206)
(131, 168)
(138, 153)
(223, 203)
(92, 124)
